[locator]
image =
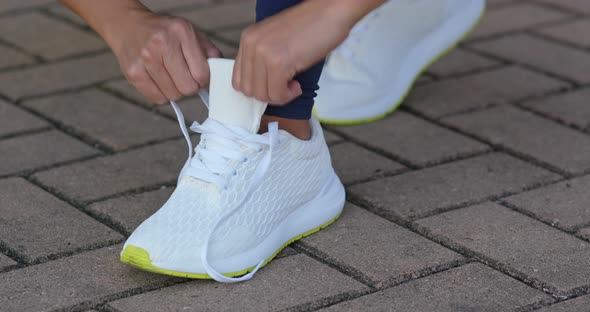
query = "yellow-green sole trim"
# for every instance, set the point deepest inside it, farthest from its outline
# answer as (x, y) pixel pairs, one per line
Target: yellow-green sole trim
(352, 122)
(139, 258)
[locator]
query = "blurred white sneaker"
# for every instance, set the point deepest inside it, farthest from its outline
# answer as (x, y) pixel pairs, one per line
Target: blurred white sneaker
(370, 74)
(242, 197)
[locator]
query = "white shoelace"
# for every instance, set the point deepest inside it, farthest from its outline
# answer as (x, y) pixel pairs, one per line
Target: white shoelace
(210, 164)
(346, 49)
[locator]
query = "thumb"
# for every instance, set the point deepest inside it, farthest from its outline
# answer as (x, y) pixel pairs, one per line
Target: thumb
(212, 51)
(294, 88)
(208, 48)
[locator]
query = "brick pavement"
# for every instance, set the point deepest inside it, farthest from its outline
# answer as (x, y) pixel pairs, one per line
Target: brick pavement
(472, 197)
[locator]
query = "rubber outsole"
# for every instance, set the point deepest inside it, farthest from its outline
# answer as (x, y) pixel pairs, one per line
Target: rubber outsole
(139, 258)
(397, 104)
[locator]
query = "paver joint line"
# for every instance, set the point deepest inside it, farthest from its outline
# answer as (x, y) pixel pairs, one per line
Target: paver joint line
(488, 55)
(474, 256)
(496, 147)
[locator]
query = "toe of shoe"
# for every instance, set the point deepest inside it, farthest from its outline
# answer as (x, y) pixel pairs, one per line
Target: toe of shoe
(139, 257)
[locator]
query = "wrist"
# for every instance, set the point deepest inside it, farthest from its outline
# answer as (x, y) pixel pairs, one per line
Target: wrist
(114, 27)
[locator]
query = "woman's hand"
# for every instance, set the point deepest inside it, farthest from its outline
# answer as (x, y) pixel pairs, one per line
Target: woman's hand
(164, 57)
(273, 51)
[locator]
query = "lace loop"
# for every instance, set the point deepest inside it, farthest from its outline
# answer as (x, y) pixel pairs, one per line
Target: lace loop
(256, 179)
(219, 145)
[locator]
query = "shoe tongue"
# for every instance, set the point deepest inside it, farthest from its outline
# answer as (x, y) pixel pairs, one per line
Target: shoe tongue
(228, 106)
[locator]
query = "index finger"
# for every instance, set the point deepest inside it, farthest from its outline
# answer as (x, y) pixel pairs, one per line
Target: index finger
(195, 57)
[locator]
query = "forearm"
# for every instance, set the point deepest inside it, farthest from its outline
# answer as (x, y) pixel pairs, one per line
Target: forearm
(355, 10)
(106, 16)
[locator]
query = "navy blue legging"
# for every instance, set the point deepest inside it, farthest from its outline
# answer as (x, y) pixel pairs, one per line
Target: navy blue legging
(300, 108)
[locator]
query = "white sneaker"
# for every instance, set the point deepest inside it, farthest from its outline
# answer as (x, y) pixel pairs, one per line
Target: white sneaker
(242, 197)
(370, 74)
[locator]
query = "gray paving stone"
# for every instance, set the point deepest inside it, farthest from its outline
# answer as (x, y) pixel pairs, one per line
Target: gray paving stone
(493, 3)
(223, 16)
(517, 242)
(571, 108)
(287, 251)
(12, 57)
(580, 304)
(515, 18)
(29, 219)
(331, 137)
(124, 88)
(15, 120)
(460, 61)
(192, 108)
(585, 232)
(499, 86)
(60, 76)
(105, 118)
(227, 50)
(472, 287)
(418, 193)
(105, 176)
(413, 139)
(394, 254)
(354, 163)
(36, 34)
(232, 35)
(578, 6)
(552, 57)
(9, 5)
(529, 135)
(79, 280)
(129, 211)
(159, 5)
(423, 79)
(67, 14)
(574, 32)
(6, 262)
(38, 150)
(283, 284)
(565, 204)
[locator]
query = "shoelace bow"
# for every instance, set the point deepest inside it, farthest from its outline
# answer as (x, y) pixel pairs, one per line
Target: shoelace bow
(220, 145)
